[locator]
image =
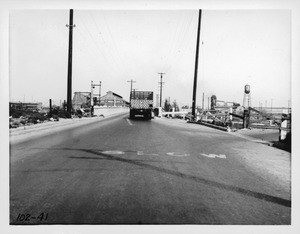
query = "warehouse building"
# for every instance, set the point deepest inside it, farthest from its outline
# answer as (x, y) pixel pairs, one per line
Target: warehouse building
(32, 106)
(81, 100)
(110, 99)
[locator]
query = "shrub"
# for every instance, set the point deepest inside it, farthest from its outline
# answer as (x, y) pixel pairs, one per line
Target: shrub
(37, 117)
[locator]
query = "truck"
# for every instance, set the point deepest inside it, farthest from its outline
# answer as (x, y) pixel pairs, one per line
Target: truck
(141, 104)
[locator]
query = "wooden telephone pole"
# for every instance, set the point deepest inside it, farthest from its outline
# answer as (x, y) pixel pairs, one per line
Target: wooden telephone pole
(196, 68)
(69, 91)
(131, 81)
(161, 84)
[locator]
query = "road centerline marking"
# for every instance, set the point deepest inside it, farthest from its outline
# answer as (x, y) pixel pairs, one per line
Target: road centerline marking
(177, 154)
(214, 155)
(129, 122)
(113, 152)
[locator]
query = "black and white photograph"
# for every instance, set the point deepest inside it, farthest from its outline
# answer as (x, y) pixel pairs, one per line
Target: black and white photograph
(150, 117)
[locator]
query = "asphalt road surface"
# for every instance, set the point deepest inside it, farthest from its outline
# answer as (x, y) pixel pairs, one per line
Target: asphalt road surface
(163, 171)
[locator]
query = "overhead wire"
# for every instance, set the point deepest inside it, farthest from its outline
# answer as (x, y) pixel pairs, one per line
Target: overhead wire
(183, 46)
(83, 42)
(109, 51)
(114, 42)
(96, 44)
(186, 36)
(172, 43)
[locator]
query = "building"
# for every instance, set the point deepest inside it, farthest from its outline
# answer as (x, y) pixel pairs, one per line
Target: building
(81, 100)
(31, 106)
(111, 99)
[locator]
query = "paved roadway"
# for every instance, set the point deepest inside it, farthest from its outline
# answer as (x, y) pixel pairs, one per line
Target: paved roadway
(148, 172)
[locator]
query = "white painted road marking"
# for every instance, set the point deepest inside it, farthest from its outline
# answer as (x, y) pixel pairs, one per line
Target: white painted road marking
(113, 152)
(222, 156)
(129, 122)
(214, 155)
(177, 154)
(142, 153)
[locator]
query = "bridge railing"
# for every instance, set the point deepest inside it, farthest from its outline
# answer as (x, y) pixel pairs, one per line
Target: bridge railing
(218, 117)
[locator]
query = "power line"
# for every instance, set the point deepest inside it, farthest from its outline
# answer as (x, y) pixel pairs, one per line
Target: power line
(172, 44)
(184, 46)
(181, 36)
(91, 36)
(98, 49)
(109, 51)
(114, 42)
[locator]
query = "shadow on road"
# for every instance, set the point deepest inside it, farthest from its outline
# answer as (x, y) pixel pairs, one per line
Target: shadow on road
(137, 160)
(138, 119)
(262, 196)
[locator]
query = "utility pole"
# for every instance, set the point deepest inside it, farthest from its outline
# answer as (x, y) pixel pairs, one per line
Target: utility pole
(50, 107)
(203, 102)
(131, 81)
(134, 92)
(69, 91)
(100, 82)
(161, 84)
(92, 92)
(208, 103)
(196, 67)
(92, 98)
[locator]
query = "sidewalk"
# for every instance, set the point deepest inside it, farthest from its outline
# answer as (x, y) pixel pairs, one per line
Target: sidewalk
(263, 136)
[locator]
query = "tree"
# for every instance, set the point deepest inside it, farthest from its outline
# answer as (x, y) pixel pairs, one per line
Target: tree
(175, 105)
(167, 106)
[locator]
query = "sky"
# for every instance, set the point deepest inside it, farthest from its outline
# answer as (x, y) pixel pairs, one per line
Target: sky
(237, 47)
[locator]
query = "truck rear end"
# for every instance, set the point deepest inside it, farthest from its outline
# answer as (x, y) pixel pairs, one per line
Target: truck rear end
(141, 104)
